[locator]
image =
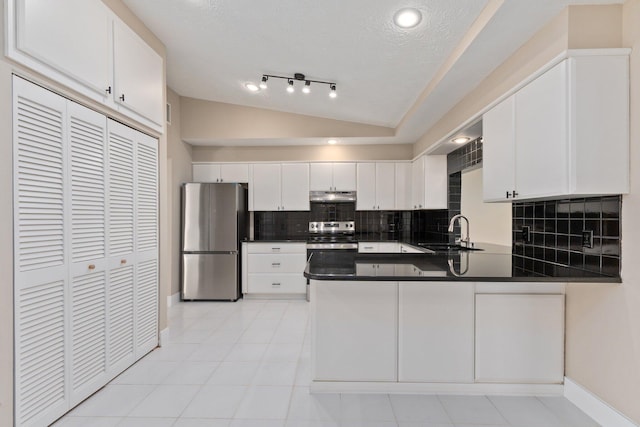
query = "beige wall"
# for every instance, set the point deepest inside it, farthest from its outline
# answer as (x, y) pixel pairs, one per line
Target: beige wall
(7, 68)
(179, 165)
(603, 322)
(303, 153)
(488, 222)
(206, 120)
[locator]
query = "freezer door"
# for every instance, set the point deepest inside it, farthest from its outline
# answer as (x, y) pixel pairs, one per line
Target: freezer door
(195, 217)
(223, 225)
(210, 277)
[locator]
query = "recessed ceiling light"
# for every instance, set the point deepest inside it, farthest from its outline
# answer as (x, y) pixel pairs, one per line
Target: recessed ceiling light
(461, 139)
(407, 18)
(332, 141)
(251, 87)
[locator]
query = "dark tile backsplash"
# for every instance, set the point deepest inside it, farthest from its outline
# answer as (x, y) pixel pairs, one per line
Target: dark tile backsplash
(467, 156)
(280, 225)
(430, 226)
(383, 225)
(556, 230)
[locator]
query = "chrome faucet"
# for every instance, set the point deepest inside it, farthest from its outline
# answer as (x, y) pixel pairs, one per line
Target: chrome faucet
(466, 242)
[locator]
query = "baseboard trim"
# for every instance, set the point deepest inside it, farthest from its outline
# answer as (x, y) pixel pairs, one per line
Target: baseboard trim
(164, 336)
(594, 407)
(173, 299)
(436, 388)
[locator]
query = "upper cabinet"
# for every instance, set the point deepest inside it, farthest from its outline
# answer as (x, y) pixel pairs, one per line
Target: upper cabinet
(221, 172)
(138, 74)
(566, 133)
(403, 186)
(375, 186)
(279, 187)
(332, 177)
(430, 182)
(97, 56)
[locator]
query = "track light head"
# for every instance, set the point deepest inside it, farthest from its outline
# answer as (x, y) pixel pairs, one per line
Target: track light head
(307, 87)
(332, 92)
(290, 87)
(263, 83)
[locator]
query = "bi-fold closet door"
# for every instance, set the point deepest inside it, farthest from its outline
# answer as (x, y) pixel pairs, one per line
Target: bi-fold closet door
(85, 239)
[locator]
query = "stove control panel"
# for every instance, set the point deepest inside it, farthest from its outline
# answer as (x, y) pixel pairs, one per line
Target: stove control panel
(332, 227)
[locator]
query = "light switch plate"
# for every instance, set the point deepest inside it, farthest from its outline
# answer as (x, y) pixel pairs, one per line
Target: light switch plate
(587, 239)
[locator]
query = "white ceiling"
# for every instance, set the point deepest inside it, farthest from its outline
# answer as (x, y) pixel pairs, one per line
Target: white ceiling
(215, 46)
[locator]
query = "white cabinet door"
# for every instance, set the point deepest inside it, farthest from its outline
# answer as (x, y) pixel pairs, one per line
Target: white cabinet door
(138, 74)
(234, 172)
(146, 305)
(321, 176)
(436, 332)
(403, 187)
(295, 187)
(265, 187)
(417, 182)
(356, 330)
(499, 145)
(519, 338)
(542, 151)
(79, 48)
(366, 183)
(146, 194)
(206, 173)
(436, 182)
(344, 176)
(385, 186)
(121, 315)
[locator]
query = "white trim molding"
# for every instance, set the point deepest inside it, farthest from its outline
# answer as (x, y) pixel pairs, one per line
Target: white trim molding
(594, 407)
(164, 337)
(173, 299)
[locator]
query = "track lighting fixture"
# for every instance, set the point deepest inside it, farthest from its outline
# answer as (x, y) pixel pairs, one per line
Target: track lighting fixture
(301, 78)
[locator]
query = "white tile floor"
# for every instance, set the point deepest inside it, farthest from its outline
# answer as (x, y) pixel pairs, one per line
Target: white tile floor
(247, 364)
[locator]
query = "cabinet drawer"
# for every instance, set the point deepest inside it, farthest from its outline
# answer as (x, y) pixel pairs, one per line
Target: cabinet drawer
(368, 247)
(277, 248)
(277, 263)
(277, 283)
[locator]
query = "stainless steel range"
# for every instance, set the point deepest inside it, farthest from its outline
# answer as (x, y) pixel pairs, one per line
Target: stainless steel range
(332, 235)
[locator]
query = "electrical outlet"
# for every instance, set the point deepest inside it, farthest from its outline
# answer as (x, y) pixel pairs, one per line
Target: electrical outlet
(587, 239)
(526, 234)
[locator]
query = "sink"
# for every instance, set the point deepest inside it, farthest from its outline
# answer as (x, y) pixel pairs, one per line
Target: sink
(446, 247)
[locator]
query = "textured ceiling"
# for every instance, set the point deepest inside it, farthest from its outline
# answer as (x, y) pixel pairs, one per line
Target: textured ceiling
(215, 46)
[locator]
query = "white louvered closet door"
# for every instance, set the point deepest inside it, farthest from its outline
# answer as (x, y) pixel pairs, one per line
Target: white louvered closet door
(121, 259)
(146, 292)
(39, 135)
(88, 303)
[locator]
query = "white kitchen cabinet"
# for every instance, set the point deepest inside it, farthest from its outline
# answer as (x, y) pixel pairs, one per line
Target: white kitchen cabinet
(221, 172)
(86, 248)
(563, 134)
(138, 74)
(46, 33)
(408, 249)
(379, 247)
(96, 55)
(430, 182)
(519, 338)
(436, 332)
(364, 269)
(279, 187)
(274, 268)
(355, 328)
(404, 187)
(332, 177)
(375, 186)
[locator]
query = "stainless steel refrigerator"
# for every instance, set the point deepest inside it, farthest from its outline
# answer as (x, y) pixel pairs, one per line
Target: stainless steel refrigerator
(214, 221)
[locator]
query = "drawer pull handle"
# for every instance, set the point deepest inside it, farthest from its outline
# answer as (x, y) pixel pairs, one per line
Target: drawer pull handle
(275, 249)
(275, 284)
(275, 264)
(123, 261)
(368, 247)
(92, 267)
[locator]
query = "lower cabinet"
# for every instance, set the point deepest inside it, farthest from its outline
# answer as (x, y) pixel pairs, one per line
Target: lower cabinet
(435, 332)
(355, 331)
(519, 338)
(274, 268)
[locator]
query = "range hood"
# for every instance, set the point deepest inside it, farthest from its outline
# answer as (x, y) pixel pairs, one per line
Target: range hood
(332, 196)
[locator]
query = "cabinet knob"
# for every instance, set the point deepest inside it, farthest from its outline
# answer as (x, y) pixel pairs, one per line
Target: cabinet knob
(122, 97)
(514, 193)
(92, 267)
(508, 194)
(419, 206)
(108, 90)
(123, 261)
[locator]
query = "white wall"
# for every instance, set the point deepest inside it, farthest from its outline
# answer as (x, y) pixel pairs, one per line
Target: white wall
(489, 222)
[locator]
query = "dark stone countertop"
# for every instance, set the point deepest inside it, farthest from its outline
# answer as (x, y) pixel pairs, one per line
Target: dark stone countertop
(493, 264)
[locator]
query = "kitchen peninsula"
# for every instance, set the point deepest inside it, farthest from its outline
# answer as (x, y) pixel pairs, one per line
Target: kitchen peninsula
(463, 321)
